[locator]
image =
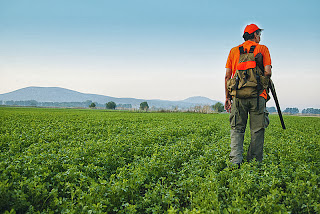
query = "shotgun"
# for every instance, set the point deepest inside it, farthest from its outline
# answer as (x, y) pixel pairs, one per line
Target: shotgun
(259, 61)
(274, 94)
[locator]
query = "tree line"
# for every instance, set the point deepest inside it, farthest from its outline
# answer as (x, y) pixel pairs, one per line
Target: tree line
(85, 104)
(218, 107)
(112, 105)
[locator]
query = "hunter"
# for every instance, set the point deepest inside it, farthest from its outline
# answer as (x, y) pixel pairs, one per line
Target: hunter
(248, 72)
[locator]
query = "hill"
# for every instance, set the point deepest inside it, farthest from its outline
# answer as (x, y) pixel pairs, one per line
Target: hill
(200, 100)
(57, 94)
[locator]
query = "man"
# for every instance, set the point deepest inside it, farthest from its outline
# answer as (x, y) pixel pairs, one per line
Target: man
(246, 86)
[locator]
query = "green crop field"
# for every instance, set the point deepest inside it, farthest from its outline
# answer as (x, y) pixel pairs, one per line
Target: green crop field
(98, 161)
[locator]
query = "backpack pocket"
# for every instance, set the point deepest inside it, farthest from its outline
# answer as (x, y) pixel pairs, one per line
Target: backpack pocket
(264, 80)
(246, 92)
(231, 86)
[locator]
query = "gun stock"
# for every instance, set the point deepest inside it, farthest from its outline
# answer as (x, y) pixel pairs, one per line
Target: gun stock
(274, 94)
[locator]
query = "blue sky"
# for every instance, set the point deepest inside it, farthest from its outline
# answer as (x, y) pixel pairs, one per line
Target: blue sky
(155, 49)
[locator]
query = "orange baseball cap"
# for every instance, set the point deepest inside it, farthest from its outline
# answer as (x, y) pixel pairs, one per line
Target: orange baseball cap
(251, 28)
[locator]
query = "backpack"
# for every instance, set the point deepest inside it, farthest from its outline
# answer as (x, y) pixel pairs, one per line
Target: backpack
(249, 80)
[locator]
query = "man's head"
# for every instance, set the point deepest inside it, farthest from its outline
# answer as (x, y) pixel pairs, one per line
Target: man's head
(252, 32)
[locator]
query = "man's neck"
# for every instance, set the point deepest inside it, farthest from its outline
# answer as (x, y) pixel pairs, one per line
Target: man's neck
(254, 40)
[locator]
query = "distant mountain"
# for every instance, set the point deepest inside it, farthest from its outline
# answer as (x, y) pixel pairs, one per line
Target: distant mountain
(200, 100)
(57, 94)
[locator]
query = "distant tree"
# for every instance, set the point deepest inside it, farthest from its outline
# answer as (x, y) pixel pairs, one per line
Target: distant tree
(206, 109)
(144, 106)
(33, 103)
(92, 105)
(271, 109)
(88, 102)
(197, 108)
(311, 111)
(291, 110)
(111, 105)
(9, 103)
(124, 106)
(218, 107)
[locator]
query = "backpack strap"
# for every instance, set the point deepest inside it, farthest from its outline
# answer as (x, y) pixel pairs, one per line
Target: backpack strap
(252, 48)
(242, 51)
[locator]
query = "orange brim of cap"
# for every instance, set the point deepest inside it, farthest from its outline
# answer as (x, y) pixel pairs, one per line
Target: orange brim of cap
(251, 28)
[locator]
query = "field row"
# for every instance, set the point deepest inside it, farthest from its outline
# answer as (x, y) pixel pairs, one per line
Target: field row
(80, 161)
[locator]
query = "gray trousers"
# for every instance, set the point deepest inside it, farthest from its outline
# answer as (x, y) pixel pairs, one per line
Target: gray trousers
(258, 122)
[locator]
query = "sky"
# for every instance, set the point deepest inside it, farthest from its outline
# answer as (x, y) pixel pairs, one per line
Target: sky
(152, 49)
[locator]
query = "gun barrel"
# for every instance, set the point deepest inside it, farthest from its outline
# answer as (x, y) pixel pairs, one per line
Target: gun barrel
(274, 94)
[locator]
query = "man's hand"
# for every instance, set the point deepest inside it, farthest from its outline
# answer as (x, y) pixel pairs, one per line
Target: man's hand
(267, 70)
(227, 105)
